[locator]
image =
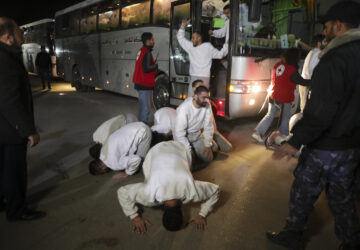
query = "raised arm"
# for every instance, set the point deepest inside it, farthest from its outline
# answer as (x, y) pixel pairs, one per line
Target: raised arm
(219, 33)
(184, 43)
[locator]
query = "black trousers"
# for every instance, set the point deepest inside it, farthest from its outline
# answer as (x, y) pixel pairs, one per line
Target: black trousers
(45, 77)
(13, 178)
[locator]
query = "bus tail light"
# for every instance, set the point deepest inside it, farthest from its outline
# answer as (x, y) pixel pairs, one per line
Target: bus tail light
(219, 105)
(247, 87)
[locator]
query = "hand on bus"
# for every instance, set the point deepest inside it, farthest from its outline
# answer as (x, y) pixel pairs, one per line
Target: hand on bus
(184, 23)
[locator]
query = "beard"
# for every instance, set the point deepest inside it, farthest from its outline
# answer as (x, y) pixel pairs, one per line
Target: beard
(330, 35)
(201, 104)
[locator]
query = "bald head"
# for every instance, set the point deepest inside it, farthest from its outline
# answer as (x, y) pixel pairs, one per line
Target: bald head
(10, 32)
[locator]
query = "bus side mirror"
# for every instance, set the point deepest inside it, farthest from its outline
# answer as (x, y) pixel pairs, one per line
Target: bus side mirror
(254, 11)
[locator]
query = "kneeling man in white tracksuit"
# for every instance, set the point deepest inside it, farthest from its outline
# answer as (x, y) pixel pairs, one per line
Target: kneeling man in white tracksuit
(169, 182)
(194, 125)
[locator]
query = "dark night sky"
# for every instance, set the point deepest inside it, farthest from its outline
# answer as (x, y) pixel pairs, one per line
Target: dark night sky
(32, 10)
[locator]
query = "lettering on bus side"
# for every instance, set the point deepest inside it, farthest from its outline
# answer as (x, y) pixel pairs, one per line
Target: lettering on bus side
(133, 40)
(121, 52)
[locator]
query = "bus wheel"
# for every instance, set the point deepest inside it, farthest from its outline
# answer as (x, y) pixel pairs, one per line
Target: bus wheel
(76, 82)
(161, 93)
(76, 79)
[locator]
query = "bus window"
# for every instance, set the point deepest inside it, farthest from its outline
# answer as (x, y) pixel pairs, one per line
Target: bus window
(179, 56)
(62, 26)
(162, 12)
(270, 33)
(109, 15)
(88, 20)
(135, 15)
(74, 23)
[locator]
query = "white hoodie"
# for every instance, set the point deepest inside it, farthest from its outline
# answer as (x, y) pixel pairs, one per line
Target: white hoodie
(167, 177)
(103, 132)
(164, 120)
(190, 121)
(200, 56)
(122, 146)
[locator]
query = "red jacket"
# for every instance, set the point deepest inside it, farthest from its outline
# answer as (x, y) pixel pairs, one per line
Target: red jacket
(282, 88)
(140, 77)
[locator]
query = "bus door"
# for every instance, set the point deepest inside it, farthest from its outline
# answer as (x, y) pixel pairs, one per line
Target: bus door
(179, 59)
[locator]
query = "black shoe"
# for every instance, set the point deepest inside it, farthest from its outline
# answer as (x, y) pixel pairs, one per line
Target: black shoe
(345, 246)
(289, 239)
(28, 215)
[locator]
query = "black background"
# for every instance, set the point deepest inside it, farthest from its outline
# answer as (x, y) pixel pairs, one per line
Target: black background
(24, 12)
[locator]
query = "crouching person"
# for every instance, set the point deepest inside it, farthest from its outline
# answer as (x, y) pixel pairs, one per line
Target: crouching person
(169, 182)
(103, 132)
(124, 150)
(164, 121)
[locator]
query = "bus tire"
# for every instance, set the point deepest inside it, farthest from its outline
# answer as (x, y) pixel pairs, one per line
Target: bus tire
(161, 93)
(76, 81)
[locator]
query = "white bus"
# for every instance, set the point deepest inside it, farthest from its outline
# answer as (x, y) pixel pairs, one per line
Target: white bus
(37, 34)
(97, 42)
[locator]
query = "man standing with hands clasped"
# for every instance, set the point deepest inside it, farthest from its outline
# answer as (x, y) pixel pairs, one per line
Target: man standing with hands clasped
(330, 131)
(17, 128)
(200, 54)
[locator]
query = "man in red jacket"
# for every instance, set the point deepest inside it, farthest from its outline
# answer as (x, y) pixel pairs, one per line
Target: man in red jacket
(144, 75)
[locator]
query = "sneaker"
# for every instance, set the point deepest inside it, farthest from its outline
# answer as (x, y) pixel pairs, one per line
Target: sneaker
(289, 239)
(222, 142)
(257, 137)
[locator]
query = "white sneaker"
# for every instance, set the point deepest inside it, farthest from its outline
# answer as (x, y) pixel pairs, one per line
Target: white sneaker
(257, 137)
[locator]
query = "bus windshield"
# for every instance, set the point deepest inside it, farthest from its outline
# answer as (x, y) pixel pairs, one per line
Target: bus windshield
(281, 25)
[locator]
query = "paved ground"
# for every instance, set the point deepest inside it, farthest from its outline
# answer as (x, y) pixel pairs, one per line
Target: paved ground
(83, 210)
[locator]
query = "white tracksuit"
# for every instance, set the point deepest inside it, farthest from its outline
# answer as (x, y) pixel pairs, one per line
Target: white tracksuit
(164, 120)
(167, 177)
(126, 147)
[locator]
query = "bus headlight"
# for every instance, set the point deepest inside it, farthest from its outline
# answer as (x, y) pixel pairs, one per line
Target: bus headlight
(247, 87)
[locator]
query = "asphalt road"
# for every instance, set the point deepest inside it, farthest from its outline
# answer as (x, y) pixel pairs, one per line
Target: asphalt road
(83, 210)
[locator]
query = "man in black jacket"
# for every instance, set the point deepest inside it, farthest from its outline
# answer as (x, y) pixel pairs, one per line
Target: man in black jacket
(43, 64)
(330, 129)
(17, 127)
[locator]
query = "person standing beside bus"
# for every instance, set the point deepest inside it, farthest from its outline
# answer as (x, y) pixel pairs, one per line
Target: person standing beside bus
(200, 54)
(43, 64)
(281, 93)
(224, 31)
(311, 60)
(330, 129)
(144, 76)
(17, 128)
